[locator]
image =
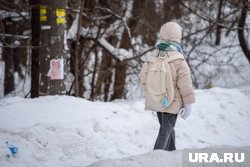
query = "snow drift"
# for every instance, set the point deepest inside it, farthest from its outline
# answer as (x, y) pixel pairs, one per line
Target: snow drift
(69, 131)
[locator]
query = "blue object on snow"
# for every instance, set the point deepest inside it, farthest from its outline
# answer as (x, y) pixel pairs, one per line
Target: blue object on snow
(13, 149)
(165, 102)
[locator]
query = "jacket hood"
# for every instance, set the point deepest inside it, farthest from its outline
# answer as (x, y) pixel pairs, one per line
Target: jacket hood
(171, 31)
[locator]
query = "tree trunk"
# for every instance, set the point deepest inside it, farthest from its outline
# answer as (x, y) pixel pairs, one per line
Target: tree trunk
(77, 60)
(108, 76)
(35, 27)
(120, 80)
(8, 57)
(100, 78)
(243, 43)
(51, 53)
(121, 70)
(92, 94)
(218, 30)
(103, 82)
(81, 67)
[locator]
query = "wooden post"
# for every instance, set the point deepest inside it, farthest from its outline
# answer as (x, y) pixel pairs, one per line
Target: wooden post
(52, 52)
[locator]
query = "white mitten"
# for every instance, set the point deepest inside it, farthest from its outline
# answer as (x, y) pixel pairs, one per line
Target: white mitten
(186, 111)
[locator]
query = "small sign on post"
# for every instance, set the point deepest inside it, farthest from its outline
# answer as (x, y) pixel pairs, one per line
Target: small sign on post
(60, 14)
(43, 12)
(56, 70)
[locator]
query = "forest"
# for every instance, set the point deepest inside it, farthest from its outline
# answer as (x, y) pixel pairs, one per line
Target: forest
(94, 49)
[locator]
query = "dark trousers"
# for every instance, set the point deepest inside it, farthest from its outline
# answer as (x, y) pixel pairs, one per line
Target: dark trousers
(166, 136)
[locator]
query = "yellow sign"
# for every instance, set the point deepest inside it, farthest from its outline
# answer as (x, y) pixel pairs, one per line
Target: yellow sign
(60, 12)
(43, 18)
(60, 20)
(43, 12)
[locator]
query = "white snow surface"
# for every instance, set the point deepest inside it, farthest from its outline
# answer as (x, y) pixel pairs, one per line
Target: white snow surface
(67, 131)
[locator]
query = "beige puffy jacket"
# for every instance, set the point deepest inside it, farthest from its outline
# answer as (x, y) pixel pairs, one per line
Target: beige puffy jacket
(180, 73)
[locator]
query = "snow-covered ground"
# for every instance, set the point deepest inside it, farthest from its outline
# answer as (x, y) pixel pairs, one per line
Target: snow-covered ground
(68, 131)
(156, 158)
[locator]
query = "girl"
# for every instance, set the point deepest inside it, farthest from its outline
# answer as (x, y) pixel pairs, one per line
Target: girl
(169, 44)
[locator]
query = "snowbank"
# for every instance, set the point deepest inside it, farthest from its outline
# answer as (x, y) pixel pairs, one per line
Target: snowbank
(68, 131)
(156, 158)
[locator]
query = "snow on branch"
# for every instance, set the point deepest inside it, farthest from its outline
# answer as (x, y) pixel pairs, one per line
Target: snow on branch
(73, 29)
(118, 54)
(129, 10)
(14, 14)
(85, 32)
(15, 36)
(125, 19)
(117, 27)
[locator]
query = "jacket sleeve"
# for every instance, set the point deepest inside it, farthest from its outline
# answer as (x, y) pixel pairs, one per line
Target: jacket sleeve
(143, 75)
(184, 83)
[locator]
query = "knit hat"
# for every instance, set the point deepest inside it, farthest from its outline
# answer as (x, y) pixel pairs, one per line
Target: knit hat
(171, 31)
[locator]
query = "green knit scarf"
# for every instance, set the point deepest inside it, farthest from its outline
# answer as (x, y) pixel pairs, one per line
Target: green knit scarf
(166, 45)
